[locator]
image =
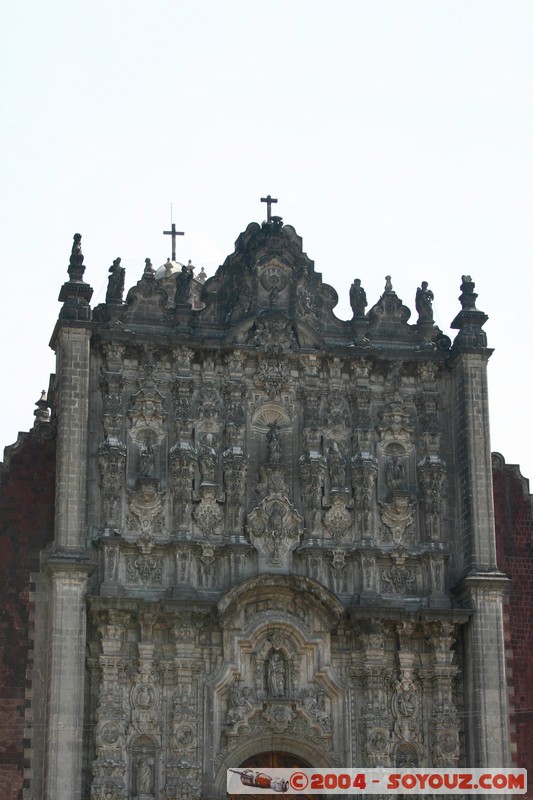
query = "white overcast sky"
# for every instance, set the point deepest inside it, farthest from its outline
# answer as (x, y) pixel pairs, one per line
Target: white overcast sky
(397, 135)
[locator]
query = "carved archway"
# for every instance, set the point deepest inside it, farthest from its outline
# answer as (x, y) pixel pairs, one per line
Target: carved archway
(272, 759)
(251, 752)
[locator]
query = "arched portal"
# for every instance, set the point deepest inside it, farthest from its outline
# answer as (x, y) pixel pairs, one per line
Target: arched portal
(269, 760)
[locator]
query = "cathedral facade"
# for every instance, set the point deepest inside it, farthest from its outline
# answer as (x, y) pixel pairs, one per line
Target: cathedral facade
(273, 538)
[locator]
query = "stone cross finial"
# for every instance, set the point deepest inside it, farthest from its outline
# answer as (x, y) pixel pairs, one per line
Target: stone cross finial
(173, 232)
(269, 200)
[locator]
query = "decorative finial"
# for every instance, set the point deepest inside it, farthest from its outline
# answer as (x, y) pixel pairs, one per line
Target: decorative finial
(388, 283)
(469, 320)
(41, 414)
(148, 269)
(75, 294)
(468, 296)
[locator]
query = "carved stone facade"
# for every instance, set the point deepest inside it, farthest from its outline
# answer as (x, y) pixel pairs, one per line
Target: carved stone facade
(273, 531)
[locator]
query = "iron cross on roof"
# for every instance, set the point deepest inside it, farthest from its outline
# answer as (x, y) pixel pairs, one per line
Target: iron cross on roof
(269, 200)
(173, 232)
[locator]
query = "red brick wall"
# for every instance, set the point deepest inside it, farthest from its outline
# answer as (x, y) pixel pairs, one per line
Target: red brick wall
(27, 483)
(513, 507)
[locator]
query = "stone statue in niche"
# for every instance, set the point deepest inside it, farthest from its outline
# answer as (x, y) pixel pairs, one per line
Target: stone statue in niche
(358, 299)
(273, 444)
(144, 775)
(424, 303)
(115, 283)
(337, 467)
(147, 455)
(207, 460)
(395, 473)
(276, 672)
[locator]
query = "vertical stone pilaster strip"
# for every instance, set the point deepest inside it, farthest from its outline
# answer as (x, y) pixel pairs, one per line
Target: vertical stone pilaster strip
(487, 715)
(66, 678)
(72, 407)
(474, 464)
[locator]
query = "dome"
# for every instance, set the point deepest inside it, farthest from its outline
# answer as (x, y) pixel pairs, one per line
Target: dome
(168, 269)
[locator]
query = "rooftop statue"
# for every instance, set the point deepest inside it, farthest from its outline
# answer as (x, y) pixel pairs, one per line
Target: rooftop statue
(358, 299)
(424, 303)
(115, 283)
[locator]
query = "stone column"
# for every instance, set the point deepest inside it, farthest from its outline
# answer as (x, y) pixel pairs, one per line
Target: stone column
(66, 677)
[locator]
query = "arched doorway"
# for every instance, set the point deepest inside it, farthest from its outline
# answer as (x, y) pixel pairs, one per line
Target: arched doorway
(264, 762)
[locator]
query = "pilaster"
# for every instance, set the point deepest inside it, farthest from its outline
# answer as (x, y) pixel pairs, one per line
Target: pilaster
(71, 343)
(66, 678)
(486, 709)
(472, 437)
(72, 407)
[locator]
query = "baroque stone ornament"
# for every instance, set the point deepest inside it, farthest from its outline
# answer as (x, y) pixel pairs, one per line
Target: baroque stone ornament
(431, 475)
(182, 466)
(278, 716)
(313, 467)
(314, 702)
(208, 514)
(112, 461)
(145, 506)
(235, 474)
(397, 517)
(364, 474)
(398, 579)
(144, 570)
(395, 426)
(275, 528)
(337, 519)
(147, 413)
(272, 375)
